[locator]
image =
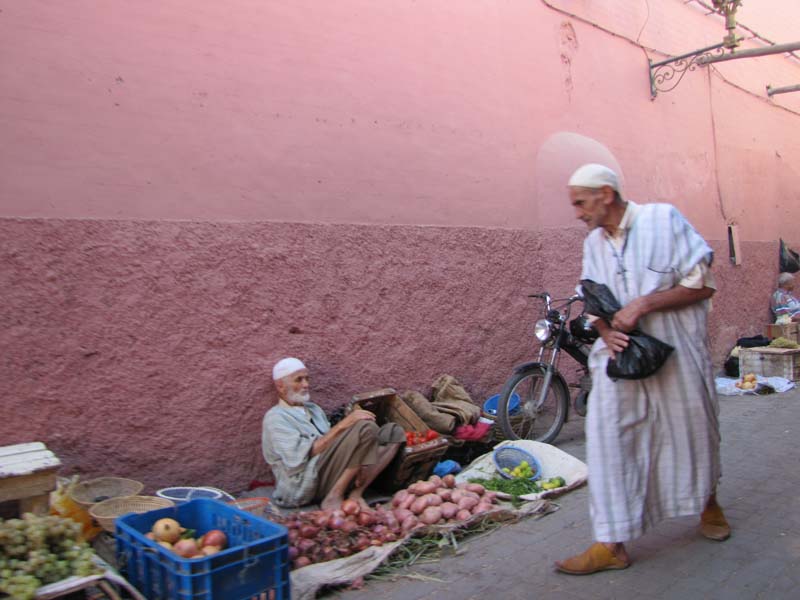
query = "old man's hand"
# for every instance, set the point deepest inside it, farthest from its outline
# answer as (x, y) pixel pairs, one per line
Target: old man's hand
(357, 415)
(626, 318)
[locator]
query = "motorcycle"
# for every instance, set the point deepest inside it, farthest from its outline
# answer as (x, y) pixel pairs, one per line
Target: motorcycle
(534, 404)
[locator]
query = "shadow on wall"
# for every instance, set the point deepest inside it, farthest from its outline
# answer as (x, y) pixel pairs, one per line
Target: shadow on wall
(560, 155)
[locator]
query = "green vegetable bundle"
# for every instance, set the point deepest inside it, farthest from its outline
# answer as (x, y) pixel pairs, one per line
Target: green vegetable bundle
(513, 487)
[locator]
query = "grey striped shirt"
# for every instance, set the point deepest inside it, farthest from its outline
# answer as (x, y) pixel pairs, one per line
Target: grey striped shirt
(287, 435)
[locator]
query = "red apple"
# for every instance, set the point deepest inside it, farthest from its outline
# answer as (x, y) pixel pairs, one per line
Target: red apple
(215, 537)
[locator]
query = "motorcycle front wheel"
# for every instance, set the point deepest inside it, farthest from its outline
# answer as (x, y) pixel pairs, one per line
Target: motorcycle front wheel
(528, 421)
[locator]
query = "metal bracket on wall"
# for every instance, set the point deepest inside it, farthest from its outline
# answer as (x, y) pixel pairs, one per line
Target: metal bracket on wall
(771, 91)
(665, 75)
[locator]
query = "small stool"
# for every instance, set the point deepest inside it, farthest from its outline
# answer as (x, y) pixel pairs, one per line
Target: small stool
(27, 476)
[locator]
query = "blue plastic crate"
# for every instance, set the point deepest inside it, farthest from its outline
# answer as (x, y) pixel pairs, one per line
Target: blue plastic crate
(256, 560)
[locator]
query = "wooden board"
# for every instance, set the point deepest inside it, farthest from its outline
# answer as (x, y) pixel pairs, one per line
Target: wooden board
(28, 475)
(24, 459)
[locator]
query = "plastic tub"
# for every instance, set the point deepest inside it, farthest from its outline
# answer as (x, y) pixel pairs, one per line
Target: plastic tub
(490, 406)
(256, 561)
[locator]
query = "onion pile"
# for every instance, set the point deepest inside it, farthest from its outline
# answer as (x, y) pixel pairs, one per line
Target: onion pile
(323, 535)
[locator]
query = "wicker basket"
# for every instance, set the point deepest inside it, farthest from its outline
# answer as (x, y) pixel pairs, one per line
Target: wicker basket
(509, 457)
(86, 493)
(106, 511)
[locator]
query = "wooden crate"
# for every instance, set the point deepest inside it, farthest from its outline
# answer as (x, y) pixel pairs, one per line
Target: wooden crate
(771, 362)
(790, 331)
(389, 408)
(27, 476)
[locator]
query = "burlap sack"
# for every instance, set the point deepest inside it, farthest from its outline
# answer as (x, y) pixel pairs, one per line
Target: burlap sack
(449, 396)
(436, 420)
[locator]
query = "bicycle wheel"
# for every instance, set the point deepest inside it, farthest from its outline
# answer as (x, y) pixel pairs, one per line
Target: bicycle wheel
(532, 421)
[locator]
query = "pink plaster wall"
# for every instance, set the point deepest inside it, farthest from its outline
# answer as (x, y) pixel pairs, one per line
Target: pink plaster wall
(190, 190)
(393, 112)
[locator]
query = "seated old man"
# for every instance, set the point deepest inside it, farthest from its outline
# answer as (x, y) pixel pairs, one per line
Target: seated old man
(785, 305)
(314, 462)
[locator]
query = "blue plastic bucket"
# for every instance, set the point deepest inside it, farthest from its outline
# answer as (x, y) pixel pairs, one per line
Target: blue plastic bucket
(490, 406)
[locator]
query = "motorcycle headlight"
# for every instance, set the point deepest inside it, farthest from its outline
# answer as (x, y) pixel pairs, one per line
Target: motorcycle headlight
(542, 330)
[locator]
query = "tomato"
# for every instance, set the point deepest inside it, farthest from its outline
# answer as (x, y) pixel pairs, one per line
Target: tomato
(431, 435)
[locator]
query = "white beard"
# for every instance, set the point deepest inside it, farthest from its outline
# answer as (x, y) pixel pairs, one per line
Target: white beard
(297, 398)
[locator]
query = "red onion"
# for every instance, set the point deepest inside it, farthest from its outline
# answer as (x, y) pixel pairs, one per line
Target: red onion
(293, 553)
(293, 535)
(379, 529)
(336, 523)
(302, 561)
(389, 536)
(391, 521)
(321, 520)
(328, 553)
(308, 531)
(349, 526)
(351, 507)
(305, 546)
(365, 519)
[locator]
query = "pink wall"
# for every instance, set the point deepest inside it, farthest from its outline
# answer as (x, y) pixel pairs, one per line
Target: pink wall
(391, 112)
(190, 190)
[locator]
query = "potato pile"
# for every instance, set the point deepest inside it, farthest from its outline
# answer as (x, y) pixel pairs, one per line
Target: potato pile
(748, 382)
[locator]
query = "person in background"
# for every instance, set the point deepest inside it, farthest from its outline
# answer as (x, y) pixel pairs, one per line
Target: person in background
(314, 462)
(652, 444)
(784, 304)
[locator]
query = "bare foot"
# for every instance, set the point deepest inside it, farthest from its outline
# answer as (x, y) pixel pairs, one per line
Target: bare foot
(330, 503)
(361, 502)
(361, 477)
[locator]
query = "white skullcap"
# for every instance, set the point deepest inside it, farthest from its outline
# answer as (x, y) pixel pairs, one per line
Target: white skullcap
(594, 176)
(286, 366)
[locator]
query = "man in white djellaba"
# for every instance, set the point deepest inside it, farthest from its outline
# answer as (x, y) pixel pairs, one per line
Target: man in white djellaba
(653, 443)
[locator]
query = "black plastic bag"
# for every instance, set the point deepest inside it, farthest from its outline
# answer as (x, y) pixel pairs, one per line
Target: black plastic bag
(789, 259)
(731, 366)
(755, 341)
(644, 354)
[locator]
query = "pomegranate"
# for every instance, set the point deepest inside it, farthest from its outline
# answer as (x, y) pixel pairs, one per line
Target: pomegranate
(167, 530)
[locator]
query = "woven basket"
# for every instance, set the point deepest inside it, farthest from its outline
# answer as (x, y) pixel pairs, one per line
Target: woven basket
(497, 430)
(106, 511)
(511, 456)
(86, 493)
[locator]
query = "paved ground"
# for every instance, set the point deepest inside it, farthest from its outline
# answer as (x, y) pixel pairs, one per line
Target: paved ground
(760, 493)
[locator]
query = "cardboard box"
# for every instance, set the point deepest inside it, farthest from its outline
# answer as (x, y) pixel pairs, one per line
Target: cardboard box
(790, 331)
(771, 362)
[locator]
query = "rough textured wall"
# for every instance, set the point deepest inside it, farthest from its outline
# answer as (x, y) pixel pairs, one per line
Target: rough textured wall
(145, 348)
